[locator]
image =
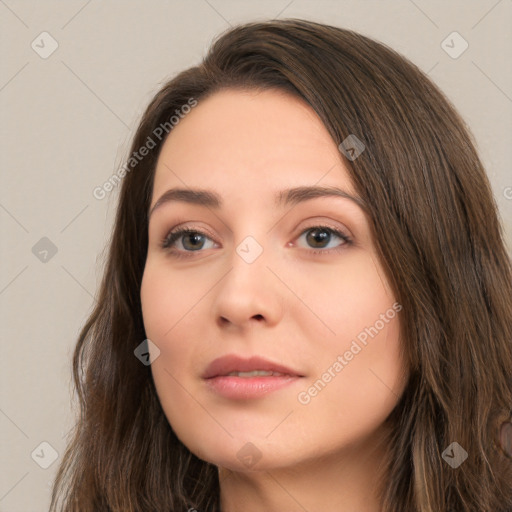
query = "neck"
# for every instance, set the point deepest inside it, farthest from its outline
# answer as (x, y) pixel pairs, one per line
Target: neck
(341, 481)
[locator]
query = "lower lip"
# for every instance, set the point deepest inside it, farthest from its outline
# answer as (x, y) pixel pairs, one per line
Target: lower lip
(239, 388)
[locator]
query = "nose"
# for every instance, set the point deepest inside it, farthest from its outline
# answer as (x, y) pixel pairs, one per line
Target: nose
(249, 293)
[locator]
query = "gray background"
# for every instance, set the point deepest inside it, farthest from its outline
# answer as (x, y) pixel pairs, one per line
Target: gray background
(67, 120)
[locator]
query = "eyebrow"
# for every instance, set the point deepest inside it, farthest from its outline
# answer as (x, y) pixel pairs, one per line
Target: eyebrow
(289, 197)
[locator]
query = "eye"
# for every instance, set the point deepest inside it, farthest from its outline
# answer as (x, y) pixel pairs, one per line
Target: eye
(319, 237)
(191, 240)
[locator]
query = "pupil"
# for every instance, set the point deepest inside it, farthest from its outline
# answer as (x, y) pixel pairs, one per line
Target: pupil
(318, 235)
(194, 237)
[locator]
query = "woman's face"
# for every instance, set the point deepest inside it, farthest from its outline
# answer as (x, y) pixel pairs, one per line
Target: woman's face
(265, 276)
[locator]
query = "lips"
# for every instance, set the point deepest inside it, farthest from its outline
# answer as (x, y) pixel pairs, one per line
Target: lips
(236, 378)
(235, 365)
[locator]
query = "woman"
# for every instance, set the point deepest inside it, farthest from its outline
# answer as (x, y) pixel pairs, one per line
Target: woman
(307, 303)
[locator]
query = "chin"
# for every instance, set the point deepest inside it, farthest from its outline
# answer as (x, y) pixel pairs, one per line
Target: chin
(247, 453)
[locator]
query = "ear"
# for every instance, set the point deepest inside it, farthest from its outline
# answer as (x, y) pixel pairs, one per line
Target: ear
(506, 437)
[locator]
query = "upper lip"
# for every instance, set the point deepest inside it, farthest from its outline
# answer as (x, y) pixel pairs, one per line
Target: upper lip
(232, 363)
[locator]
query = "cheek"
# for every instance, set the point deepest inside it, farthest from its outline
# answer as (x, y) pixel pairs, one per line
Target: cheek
(173, 315)
(168, 318)
(164, 311)
(342, 301)
(170, 299)
(356, 386)
(358, 370)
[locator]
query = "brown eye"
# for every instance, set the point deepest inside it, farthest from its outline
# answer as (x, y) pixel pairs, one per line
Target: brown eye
(191, 240)
(319, 237)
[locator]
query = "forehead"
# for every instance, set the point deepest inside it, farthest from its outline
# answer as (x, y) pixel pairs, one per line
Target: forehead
(252, 141)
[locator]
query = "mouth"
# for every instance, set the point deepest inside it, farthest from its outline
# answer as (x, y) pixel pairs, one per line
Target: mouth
(237, 378)
(254, 373)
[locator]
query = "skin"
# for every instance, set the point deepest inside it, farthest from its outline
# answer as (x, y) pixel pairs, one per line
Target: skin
(291, 306)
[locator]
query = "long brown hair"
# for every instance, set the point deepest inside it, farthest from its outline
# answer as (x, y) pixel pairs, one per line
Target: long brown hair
(437, 231)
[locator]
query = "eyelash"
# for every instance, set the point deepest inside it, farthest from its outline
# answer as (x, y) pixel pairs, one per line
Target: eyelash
(172, 236)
